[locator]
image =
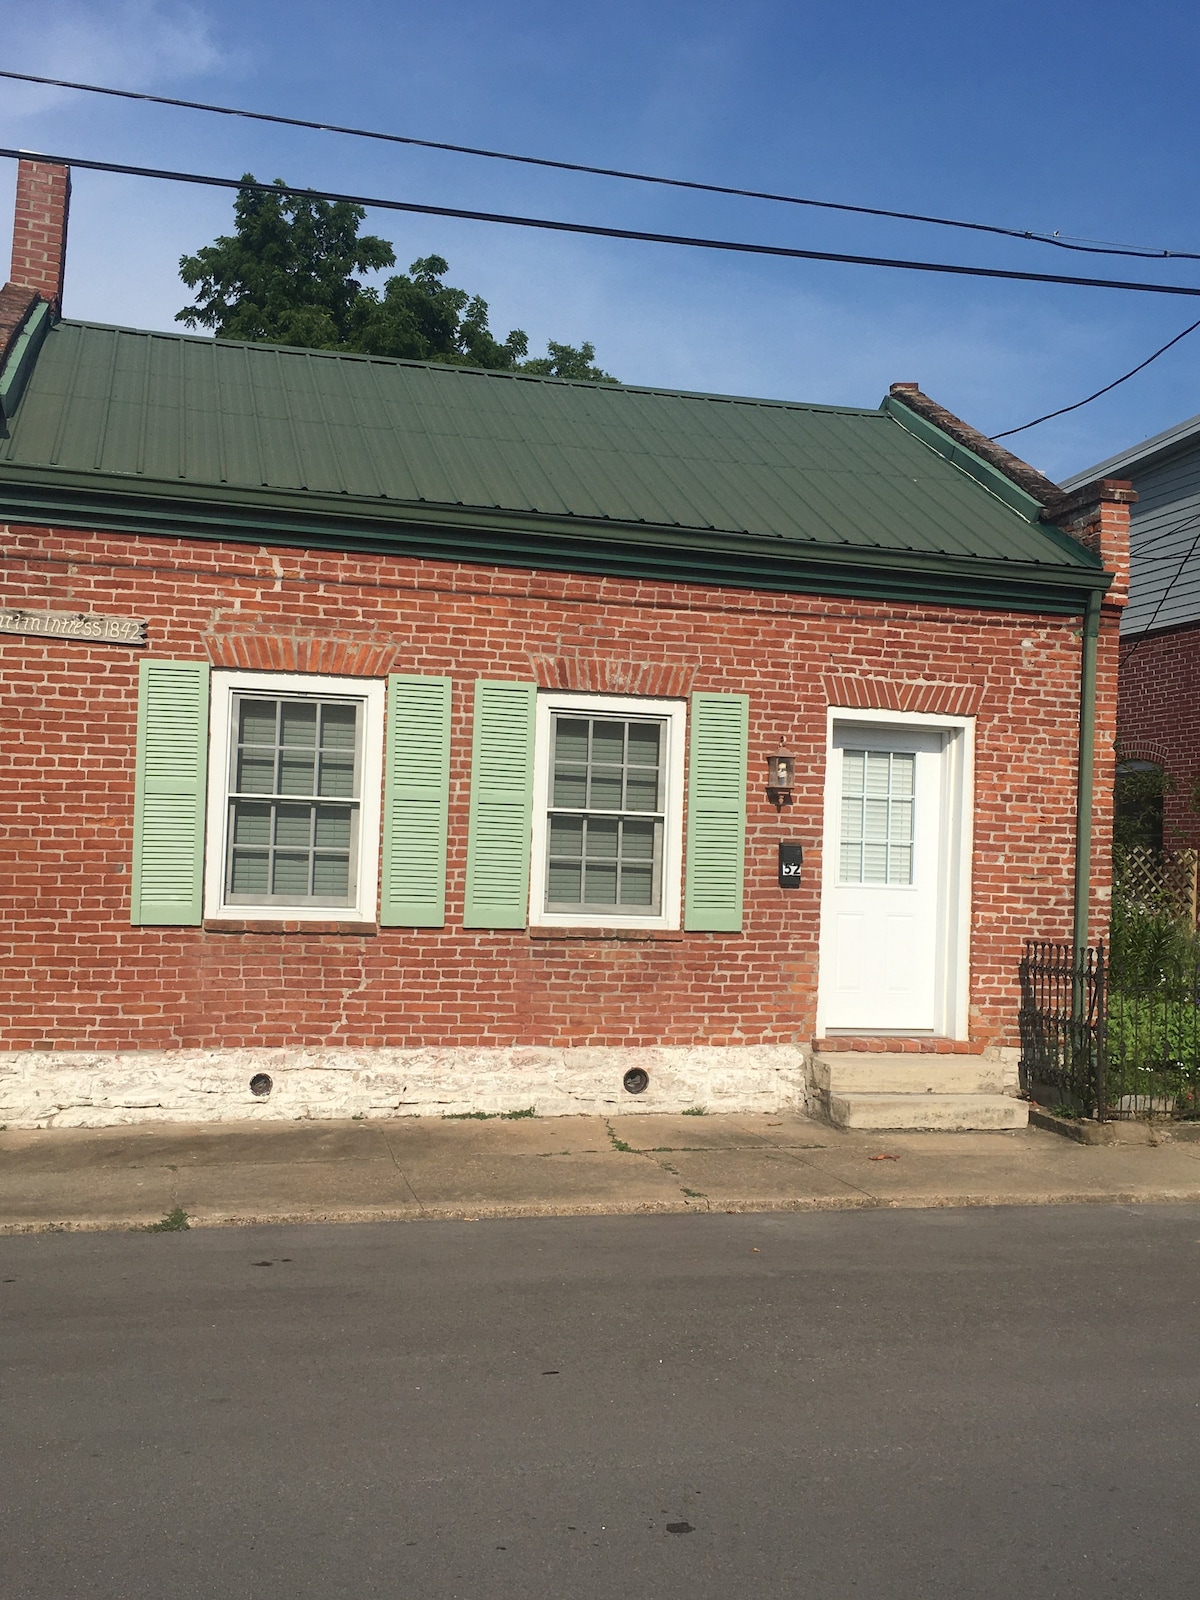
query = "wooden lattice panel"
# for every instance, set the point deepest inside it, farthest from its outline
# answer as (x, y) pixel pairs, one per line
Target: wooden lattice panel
(1158, 880)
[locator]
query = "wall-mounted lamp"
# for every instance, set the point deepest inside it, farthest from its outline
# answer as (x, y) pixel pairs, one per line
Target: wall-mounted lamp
(781, 775)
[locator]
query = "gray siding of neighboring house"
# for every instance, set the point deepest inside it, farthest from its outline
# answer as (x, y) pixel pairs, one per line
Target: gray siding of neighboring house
(1165, 545)
(1165, 529)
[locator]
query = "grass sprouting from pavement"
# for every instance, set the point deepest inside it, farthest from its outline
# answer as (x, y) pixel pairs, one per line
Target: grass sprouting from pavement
(175, 1221)
(489, 1116)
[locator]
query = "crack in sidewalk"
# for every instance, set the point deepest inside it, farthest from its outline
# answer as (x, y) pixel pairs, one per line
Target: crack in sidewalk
(651, 1156)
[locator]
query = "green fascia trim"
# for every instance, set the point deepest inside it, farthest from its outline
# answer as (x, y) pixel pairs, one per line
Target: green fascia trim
(742, 561)
(983, 472)
(20, 361)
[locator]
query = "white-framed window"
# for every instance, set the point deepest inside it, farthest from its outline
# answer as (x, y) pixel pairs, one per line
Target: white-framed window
(608, 811)
(878, 791)
(295, 769)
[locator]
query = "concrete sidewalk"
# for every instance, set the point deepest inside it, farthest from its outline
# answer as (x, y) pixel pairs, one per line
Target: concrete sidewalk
(223, 1174)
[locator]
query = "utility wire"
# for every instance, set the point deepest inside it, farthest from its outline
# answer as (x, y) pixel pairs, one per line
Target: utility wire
(1090, 247)
(1160, 538)
(1155, 561)
(1107, 389)
(594, 230)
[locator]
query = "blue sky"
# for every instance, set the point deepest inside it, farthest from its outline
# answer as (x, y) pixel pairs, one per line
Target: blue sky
(1080, 118)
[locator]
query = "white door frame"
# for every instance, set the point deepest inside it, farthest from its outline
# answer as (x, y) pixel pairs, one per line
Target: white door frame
(953, 979)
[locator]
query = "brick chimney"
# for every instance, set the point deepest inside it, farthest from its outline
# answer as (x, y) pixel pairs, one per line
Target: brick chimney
(1097, 515)
(39, 247)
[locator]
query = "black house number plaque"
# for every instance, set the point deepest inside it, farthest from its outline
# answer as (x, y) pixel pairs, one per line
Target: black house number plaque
(791, 859)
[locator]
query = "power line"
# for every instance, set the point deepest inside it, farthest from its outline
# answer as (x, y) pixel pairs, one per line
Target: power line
(1155, 561)
(1160, 538)
(595, 230)
(1107, 389)
(1090, 247)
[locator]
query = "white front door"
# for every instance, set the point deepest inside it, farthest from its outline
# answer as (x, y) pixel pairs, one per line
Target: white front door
(887, 885)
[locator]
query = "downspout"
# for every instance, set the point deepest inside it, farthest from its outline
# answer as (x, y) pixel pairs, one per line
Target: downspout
(1087, 766)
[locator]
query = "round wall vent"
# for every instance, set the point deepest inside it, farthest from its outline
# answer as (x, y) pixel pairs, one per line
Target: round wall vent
(261, 1085)
(636, 1081)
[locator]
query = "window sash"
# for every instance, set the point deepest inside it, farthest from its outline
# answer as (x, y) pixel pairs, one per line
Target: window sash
(320, 830)
(610, 855)
(610, 859)
(878, 817)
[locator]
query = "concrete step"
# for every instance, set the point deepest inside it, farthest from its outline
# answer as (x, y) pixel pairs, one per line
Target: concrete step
(949, 1113)
(858, 1072)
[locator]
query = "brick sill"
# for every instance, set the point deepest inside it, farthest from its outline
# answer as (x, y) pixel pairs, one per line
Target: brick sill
(629, 935)
(233, 925)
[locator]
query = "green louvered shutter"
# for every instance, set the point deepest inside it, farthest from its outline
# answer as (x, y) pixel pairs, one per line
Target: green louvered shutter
(416, 794)
(168, 803)
(716, 840)
(498, 834)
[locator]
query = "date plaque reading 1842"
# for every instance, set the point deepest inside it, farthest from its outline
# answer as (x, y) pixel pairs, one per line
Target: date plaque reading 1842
(73, 625)
(791, 859)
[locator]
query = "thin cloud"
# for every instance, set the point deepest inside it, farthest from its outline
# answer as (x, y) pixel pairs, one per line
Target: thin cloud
(132, 44)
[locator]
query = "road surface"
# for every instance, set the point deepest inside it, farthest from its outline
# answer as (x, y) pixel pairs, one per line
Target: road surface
(958, 1404)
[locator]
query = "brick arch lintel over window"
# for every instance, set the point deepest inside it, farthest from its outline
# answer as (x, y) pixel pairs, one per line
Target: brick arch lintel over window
(272, 652)
(888, 694)
(603, 675)
(1140, 750)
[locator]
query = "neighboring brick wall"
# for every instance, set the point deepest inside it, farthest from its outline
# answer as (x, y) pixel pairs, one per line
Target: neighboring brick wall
(39, 248)
(77, 975)
(1159, 720)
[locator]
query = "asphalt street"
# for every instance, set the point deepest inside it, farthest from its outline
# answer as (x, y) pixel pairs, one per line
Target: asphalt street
(942, 1403)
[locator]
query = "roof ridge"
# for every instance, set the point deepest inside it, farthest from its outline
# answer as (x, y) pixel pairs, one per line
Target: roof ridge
(470, 371)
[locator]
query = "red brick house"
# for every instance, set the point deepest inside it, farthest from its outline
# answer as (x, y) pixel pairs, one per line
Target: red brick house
(1158, 716)
(388, 738)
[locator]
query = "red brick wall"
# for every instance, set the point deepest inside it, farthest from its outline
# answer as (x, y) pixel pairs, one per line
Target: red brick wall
(78, 975)
(1105, 772)
(39, 245)
(1159, 720)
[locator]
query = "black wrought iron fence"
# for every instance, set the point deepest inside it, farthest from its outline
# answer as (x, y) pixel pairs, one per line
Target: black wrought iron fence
(1153, 1034)
(1062, 1027)
(1113, 1038)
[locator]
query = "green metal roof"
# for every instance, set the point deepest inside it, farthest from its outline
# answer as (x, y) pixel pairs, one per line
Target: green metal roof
(138, 416)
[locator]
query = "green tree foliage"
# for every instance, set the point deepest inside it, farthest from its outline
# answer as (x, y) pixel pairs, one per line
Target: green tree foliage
(564, 361)
(1138, 810)
(418, 316)
(289, 275)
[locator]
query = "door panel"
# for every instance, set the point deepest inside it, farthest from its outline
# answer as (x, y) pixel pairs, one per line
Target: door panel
(902, 943)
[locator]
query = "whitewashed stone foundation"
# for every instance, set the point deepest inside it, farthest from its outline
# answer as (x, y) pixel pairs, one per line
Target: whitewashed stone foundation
(80, 1089)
